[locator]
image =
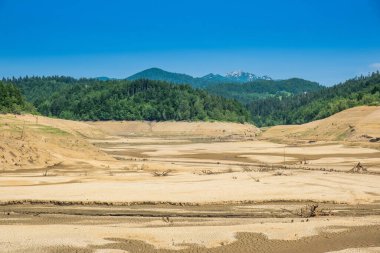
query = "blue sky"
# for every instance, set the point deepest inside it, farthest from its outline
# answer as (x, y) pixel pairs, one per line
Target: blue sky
(325, 41)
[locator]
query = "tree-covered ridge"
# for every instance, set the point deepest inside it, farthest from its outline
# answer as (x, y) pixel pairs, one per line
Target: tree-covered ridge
(38, 89)
(311, 106)
(139, 100)
(258, 89)
(162, 75)
(196, 82)
(11, 100)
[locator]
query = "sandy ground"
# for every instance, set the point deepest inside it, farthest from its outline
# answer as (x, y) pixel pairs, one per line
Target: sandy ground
(85, 232)
(190, 187)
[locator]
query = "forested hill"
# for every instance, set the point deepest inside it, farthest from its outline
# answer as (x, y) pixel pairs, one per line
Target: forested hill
(243, 86)
(11, 100)
(138, 100)
(157, 74)
(311, 106)
(259, 89)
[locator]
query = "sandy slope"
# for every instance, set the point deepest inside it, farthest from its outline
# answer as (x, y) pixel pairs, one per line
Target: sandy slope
(356, 124)
(205, 129)
(33, 142)
(78, 128)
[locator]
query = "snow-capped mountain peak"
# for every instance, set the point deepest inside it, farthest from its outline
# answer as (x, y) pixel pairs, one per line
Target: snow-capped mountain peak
(242, 76)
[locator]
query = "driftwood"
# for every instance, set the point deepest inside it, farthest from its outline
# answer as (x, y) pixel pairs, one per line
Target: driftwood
(166, 219)
(161, 174)
(358, 168)
(48, 168)
(308, 211)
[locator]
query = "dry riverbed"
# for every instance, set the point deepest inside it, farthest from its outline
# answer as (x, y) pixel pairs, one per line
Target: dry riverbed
(149, 191)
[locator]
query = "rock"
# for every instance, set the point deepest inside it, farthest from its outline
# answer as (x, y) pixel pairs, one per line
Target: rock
(308, 211)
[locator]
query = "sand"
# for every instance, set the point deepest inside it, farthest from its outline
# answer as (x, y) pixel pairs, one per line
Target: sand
(155, 235)
(97, 187)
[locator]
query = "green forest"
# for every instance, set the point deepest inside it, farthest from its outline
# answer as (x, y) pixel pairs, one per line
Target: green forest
(90, 99)
(306, 107)
(262, 102)
(38, 89)
(260, 89)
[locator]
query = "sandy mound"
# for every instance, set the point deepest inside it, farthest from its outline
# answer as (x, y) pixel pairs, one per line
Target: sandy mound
(205, 129)
(28, 142)
(356, 124)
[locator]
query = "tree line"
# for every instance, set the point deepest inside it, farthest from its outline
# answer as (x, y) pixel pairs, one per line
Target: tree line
(91, 99)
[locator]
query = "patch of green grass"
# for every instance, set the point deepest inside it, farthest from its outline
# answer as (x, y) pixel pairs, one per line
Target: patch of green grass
(342, 136)
(52, 130)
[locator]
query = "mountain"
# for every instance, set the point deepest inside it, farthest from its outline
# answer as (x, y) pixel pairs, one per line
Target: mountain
(162, 75)
(306, 107)
(196, 82)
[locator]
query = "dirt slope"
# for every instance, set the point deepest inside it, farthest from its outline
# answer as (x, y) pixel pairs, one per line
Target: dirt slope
(356, 124)
(205, 129)
(78, 128)
(30, 142)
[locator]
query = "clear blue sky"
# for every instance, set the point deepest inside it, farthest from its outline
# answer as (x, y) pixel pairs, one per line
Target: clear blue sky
(326, 41)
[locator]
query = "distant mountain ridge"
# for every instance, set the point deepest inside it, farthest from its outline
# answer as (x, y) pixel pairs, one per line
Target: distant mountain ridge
(197, 82)
(242, 86)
